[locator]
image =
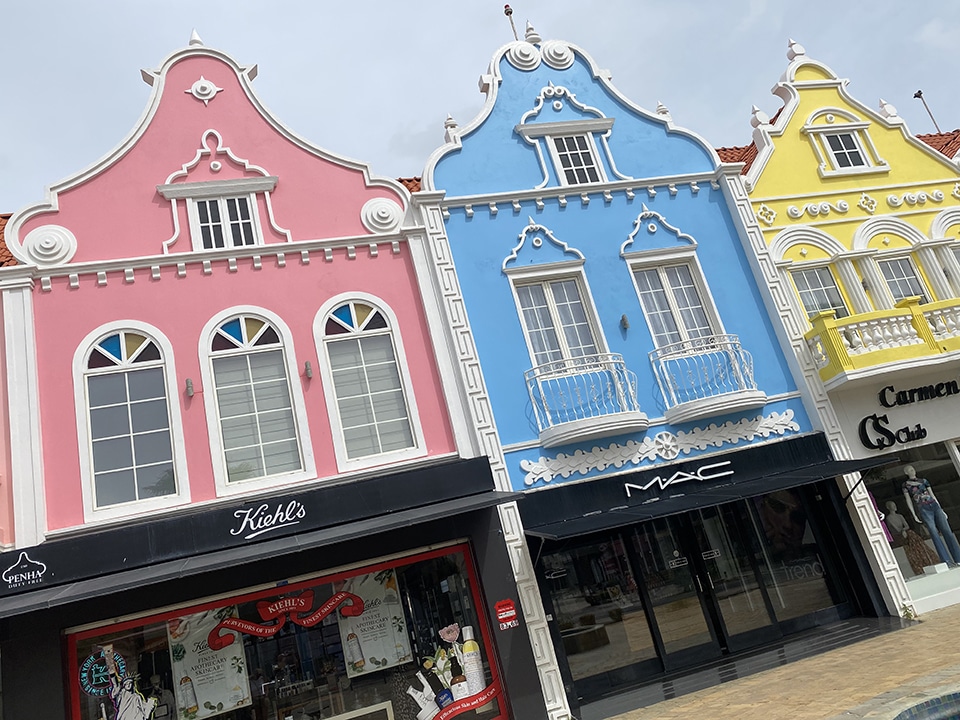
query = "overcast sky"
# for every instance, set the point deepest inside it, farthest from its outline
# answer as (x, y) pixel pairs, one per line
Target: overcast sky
(374, 79)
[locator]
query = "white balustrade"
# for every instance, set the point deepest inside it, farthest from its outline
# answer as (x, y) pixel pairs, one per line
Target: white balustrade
(703, 368)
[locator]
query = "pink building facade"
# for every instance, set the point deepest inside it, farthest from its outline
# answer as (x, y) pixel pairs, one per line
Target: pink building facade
(226, 388)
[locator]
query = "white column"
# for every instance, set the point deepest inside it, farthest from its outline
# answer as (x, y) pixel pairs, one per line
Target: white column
(876, 285)
(927, 258)
(851, 283)
(951, 267)
(23, 407)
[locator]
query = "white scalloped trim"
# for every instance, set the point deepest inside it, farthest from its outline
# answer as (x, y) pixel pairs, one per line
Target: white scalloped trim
(524, 56)
(50, 245)
(557, 54)
(380, 215)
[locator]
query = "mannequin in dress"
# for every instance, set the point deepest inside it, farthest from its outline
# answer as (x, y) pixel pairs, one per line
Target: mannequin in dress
(919, 555)
(925, 508)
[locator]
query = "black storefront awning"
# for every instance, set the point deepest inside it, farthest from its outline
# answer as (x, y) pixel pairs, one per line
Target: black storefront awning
(593, 506)
(160, 572)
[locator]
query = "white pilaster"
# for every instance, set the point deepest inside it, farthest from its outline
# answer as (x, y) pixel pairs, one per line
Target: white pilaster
(851, 283)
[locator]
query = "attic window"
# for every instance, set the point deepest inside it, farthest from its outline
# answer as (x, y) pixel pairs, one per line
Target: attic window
(571, 146)
(842, 144)
(575, 159)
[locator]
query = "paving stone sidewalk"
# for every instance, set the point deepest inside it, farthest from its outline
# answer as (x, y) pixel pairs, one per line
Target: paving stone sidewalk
(875, 678)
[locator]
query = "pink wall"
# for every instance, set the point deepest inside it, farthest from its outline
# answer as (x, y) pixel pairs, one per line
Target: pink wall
(7, 529)
(119, 214)
(180, 307)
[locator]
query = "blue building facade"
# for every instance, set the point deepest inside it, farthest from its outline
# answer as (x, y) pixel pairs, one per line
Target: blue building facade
(678, 495)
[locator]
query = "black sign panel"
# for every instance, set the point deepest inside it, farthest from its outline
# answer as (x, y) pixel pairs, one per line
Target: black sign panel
(190, 533)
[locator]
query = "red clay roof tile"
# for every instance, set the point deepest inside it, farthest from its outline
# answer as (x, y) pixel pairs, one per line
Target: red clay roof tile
(411, 184)
(947, 143)
(6, 257)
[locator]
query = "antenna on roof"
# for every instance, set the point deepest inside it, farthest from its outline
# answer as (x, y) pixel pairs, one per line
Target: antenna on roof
(919, 95)
(508, 11)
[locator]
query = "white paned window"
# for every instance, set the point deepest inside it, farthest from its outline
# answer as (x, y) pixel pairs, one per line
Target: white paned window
(224, 222)
(258, 426)
(819, 292)
(672, 304)
(555, 321)
(128, 417)
(902, 279)
(845, 150)
(371, 400)
(576, 159)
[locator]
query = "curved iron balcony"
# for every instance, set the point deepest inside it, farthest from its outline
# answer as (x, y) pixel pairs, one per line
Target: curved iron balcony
(706, 376)
(584, 398)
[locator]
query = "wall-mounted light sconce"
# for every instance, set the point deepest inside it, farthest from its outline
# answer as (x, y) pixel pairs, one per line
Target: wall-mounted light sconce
(865, 285)
(189, 385)
(308, 369)
(946, 273)
(624, 321)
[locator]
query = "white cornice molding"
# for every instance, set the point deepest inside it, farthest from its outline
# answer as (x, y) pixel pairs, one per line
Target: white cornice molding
(157, 80)
(490, 84)
(217, 188)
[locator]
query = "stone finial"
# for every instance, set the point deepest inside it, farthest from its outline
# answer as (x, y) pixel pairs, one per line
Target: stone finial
(887, 110)
(195, 40)
(794, 50)
(758, 117)
(450, 128)
(662, 109)
(531, 35)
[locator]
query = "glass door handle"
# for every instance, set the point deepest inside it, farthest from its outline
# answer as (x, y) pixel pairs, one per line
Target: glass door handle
(710, 579)
(699, 584)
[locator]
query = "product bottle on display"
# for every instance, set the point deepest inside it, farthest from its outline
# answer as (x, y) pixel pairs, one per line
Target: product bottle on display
(458, 683)
(442, 695)
(472, 662)
(355, 652)
(188, 696)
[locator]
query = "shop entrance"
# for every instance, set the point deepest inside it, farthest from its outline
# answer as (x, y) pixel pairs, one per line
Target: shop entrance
(679, 591)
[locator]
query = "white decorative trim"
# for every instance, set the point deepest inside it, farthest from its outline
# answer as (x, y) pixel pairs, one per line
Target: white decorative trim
(204, 90)
(816, 209)
(537, 242)
(309, 471)
(663, 445)
(867, 203)
(50, 245)
(344, 462)
(885, 224)
(557, 54)
(807, 235)
(524, 56)
(766, 214)
(944, 220)
(218, 188)
(380, 215)
(914, 198)
(26, 479)
(140, 507)
(652, 228)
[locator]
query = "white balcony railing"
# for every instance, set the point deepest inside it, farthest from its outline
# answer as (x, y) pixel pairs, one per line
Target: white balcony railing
(583, 398)
(705, 376)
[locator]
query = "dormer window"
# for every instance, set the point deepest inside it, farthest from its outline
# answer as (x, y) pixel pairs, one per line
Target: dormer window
(222, 213)
(575, 159)
(842, 144)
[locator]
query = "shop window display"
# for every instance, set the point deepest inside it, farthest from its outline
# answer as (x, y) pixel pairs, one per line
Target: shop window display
(918, 497)
(397, 641)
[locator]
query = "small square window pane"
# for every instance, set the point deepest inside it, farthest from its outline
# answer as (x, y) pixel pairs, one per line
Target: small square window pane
(146, 384)
(112, 454)
(235, 401)
(361, 441)
(244, 464)
(152, 447)
(149, 415)
(378, 348)
(344, 353)
(355, 411)
(156, 481)
(240, 432)
(389, 406)
(278, 425)
(272, 395)
(115, 488)
(109, 422)
(107, 389)
(231, 370)
(267, 365)
(396, 435)
(282, 457)
(350, 382)
(383, 377)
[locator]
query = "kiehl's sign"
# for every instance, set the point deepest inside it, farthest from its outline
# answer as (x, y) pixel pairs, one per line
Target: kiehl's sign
(875, 430)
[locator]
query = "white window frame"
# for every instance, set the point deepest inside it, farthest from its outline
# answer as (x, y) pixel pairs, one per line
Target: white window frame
(218, 459)
(543, 275)
(792, 271)
(344, 462)
(848, 125)
(915, 266)
(220, 190)
(91, 513)
(546, 132)
(660, 259)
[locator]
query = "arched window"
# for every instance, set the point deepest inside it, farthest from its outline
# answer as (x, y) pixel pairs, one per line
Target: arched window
(372, 405)
(258, 426)
(128, 420)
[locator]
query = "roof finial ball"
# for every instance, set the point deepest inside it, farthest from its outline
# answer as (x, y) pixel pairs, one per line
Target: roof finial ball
(794, 50)
(758, 117)
(887, 110)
